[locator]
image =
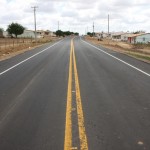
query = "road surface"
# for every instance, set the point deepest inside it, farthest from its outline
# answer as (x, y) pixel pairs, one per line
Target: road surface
(74, 95)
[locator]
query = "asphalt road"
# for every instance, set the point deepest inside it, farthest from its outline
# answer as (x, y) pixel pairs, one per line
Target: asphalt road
(74, 95)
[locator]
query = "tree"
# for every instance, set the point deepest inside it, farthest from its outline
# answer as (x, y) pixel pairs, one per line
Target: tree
(65, 33)
(59, 33)
(1, 29)
(15, 28)
(138, 32)
(1, 32)
(90, 34)
(77, 34)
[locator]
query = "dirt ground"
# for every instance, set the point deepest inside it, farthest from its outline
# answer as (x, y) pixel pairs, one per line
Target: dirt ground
(13, 47)
(141, 52)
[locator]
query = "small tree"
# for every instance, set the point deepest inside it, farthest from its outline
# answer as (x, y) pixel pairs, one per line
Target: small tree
(1, 29)
(15, 28)
(89, 33)
(1, 32)
(76, 33)
(59, 33)
(138, 32)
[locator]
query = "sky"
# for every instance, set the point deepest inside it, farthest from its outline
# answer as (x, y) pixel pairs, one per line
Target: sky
(78, 15)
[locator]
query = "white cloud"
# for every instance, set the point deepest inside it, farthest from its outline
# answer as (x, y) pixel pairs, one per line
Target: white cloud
(78, 15)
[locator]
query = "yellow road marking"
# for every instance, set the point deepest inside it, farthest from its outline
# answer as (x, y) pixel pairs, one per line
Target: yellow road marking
(68, 127)
(82, 133)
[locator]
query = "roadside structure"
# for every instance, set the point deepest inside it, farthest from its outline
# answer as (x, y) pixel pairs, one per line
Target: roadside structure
(42, 33)
(124, 37)
(101, 35)
(27, 34)
(116, 36)
(139, 38)
(6, 34)
(30, 34)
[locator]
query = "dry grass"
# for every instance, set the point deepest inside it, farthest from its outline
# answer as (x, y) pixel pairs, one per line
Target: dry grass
(139, 51)
(10, 47)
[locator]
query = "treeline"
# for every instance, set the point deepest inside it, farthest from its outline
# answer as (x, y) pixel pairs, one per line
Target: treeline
(91, 34)
(65, 33)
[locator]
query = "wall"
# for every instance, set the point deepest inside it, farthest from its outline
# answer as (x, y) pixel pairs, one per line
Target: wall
(143, 38)
(27, 34)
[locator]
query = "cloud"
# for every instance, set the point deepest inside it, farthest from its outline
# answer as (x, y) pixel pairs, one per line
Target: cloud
(77, 14)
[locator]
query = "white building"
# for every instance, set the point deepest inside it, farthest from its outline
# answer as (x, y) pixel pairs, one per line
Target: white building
(31, 34)
(42, 33)
(139, 38)
(101, 35)
(5, 34)
(27, 34)
(116, 36)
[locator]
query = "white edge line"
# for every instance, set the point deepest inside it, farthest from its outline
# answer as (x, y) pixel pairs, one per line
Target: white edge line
(1, 73)
(118, 59)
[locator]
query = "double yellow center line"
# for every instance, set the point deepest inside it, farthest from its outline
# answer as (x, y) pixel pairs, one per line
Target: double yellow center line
(68, 127)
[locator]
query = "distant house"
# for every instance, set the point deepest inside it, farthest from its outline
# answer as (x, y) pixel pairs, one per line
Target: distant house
(27, 34)
(139, 38)
(31, 34)
(42, 33)
(124, 37)
(6, 34)
(101, 35)
(49, 33)
(117, 36)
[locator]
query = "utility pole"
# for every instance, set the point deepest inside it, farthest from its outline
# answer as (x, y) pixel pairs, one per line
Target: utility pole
(93, 29)
(58, 25)
(108, 25)
(34, 9)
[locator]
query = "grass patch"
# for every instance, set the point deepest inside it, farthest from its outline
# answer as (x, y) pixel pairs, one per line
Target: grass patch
(140, 56)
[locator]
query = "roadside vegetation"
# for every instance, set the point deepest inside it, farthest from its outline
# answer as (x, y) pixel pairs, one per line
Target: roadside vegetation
(16, 29)
(12, 45)
(1, 32)
(60, 33)
(139, 51)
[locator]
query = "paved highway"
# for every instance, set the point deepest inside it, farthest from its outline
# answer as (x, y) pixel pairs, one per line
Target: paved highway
(74, 95)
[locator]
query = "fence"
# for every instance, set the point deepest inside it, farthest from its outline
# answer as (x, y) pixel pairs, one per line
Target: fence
(9, 45)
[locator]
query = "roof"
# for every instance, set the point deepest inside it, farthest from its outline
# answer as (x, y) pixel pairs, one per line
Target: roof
(101, 33)
(29, 30)
(117, 33)
(40, 31)
(135, 35)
